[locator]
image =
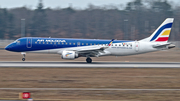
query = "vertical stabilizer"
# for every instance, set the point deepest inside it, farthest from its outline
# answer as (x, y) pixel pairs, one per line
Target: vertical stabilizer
(161, 34)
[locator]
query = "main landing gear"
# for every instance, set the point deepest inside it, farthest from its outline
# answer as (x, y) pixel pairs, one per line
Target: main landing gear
(24, 55)
(89, 60)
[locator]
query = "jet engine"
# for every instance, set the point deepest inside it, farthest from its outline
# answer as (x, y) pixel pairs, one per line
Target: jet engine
(69, 55)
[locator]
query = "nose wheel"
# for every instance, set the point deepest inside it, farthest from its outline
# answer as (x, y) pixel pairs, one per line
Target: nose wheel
(23, 59)
(89, 60)
(24, 55)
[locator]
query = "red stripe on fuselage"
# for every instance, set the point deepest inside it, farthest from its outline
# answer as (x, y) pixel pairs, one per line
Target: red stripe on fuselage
(162, 39)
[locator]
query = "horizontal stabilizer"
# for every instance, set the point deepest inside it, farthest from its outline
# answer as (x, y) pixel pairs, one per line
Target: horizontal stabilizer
(167, 46)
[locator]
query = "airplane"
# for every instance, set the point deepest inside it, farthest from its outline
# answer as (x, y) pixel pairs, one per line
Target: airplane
(70, 48)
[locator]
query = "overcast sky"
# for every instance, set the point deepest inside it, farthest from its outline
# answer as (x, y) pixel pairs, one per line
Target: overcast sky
(62, 3)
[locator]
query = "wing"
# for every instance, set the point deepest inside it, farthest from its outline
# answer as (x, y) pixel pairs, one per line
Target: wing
(93, 51)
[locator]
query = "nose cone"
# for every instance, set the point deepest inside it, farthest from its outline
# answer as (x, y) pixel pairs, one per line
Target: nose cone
(7, 47)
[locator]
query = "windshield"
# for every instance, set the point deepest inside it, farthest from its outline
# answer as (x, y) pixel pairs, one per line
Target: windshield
(17, 41)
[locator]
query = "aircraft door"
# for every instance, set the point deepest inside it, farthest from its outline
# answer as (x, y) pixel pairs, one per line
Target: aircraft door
(78, 44)
(29, 42)
(137, 46)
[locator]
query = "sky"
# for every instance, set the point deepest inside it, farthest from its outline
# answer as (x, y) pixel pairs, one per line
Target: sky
(62, 3)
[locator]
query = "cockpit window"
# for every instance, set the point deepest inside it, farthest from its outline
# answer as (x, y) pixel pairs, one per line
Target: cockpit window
(17, 41)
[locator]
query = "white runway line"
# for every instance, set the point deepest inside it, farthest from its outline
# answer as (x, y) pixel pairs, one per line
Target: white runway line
(92, 65)
(90, 89)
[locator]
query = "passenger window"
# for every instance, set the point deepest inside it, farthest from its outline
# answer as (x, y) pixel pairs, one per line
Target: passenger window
(91, 44)
(39, 42)
(74, 43)
(94, 44)
(58, 42)
(86, 43)
(115, 44)
(62, 43)
(66, 43)
(54, 42)
(43, 42)
(35, 42)
(47, 43)
(82, 43)
(69, 43)
(51, 42)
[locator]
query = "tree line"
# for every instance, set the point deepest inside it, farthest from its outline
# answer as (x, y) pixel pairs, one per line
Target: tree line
(137, 20)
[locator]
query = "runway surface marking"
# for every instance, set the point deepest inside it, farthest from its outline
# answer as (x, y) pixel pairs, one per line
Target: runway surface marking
(150, 76)
(90, 89)
(94, 64)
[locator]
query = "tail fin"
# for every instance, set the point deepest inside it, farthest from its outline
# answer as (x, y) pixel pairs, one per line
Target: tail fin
(161, 34)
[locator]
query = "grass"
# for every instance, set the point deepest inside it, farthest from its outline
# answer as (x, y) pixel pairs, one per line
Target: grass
(92, 78)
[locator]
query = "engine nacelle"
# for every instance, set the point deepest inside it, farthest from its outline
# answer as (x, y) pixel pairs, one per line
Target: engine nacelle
(69, 55)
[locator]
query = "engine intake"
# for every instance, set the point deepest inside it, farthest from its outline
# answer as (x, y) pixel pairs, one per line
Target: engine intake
(70, 55)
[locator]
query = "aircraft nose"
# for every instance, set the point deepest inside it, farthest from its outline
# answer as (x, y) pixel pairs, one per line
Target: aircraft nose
(7, 47)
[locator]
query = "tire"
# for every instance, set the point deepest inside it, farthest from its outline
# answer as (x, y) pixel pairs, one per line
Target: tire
(89, 60)
(23, 59)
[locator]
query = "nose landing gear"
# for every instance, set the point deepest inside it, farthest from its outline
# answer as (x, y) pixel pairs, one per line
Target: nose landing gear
(24, 55)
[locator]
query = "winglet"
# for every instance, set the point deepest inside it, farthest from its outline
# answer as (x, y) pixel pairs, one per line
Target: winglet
(110, 43)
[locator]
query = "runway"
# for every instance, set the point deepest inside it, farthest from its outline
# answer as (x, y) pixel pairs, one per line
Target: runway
(91, 65)
(89, 89)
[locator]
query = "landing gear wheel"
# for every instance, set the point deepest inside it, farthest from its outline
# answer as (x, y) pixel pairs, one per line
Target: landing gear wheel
(24, 55)
(23, 59)
(89, 60)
